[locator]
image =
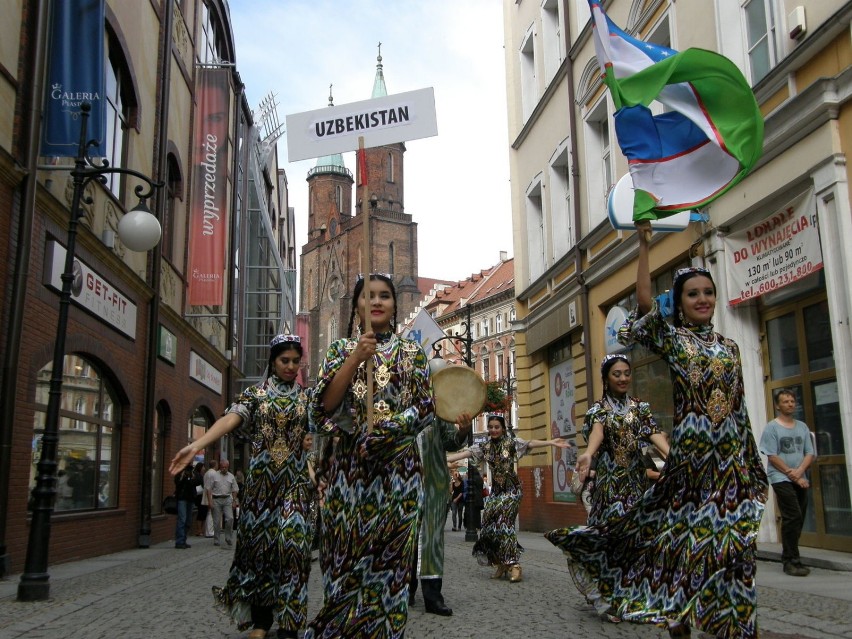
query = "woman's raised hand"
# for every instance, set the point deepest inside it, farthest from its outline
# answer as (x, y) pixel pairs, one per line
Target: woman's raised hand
(183, 457)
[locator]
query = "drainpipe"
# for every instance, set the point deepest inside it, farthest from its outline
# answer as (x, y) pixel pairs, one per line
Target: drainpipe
(575, 201)
(26, 206)
(149, 410)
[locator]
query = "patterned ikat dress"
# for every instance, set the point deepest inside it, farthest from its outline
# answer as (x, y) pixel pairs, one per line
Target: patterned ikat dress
(686, 551)
(620, 478)
(498, 543)
(371, 506)
(272, 558)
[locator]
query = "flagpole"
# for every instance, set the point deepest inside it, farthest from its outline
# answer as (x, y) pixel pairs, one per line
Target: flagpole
(365, 262)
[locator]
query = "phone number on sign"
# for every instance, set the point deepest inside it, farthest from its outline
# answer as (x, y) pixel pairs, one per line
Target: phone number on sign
(780, 280)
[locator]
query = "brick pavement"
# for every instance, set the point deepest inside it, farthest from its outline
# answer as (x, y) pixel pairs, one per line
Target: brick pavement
(163, 592)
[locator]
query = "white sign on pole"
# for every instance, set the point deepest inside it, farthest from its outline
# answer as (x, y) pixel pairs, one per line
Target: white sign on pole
(775, 252)
(425, 330)
(385, 120)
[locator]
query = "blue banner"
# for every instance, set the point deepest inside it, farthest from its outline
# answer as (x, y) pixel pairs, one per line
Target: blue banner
(75, 75)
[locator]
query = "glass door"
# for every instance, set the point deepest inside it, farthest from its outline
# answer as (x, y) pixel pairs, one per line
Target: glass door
(798, 354)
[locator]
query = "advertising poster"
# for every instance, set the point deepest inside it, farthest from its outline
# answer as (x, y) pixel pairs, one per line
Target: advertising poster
(775, 252)
(562, 407)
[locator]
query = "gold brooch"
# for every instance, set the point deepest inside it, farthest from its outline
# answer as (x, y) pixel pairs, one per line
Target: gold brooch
(718, 367)
(381, 412)
(382, 376)
(717, 406)
(280, 451)
(359, 389)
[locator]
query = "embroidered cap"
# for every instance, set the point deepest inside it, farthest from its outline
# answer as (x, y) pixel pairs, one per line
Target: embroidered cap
(609, 358)
(690, 270)
(280, 339)
(387, 276)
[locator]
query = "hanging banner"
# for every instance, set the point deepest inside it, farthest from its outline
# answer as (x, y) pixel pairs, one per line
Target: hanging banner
(208, 225)
(385, 120)
(75, 75)
(775, 252)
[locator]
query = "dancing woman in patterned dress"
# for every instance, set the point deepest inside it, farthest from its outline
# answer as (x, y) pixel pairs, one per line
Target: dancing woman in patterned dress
(272, 560)
(616, 428)
(370, 510)
(498, 542)
(684, 556)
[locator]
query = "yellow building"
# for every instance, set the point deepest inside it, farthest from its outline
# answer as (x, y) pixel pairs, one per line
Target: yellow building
(573, 271)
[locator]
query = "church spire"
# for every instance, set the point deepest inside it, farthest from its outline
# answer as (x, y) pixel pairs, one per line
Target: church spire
(379, 88)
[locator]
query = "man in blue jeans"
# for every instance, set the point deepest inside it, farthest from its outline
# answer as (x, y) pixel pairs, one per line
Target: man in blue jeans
(185, 483)
(786, 442)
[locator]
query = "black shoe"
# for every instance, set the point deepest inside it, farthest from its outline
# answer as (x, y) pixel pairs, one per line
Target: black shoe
(182, 546)
(287, 634)
(438, 608)
(795, 571)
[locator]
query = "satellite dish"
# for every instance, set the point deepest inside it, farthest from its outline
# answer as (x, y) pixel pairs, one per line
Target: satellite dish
(619, 209)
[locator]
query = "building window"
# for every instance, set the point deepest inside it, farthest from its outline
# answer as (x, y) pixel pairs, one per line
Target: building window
(561, 219)
(551, 31)
(174, 192)
(119, 101)
(338, 196)
(499, 322)
(390, 168)
(535, 232)
(761, 34)
(197, 425)
(89, 438)
(486, 372)
(211, 46)
(158, 447)
(599, 153)
(391, 258)
(529, 95)
(500, 371)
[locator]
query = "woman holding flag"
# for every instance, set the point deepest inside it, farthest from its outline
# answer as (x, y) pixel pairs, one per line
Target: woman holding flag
(684, 556)
(371, 505)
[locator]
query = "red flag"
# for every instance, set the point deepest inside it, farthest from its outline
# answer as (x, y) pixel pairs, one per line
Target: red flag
(362, 166)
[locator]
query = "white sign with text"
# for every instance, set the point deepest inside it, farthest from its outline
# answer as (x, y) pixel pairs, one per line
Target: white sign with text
(385, 120)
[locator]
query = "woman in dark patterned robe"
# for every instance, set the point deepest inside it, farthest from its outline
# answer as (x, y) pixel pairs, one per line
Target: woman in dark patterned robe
(370, 507)
(272, 559)
(616, 427)
(684, 556)
(497, 544)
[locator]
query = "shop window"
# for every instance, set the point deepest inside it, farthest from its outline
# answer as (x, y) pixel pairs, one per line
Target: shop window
(89, 438)
(162, 417)
(198, 424)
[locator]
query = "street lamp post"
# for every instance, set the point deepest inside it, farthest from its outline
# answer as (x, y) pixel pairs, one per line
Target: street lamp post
(139, 231)
(466, 338)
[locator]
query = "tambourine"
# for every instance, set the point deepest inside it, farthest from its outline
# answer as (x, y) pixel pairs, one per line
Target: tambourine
(457, 390)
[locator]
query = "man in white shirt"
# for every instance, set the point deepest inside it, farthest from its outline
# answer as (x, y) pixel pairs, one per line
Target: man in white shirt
(222, 490)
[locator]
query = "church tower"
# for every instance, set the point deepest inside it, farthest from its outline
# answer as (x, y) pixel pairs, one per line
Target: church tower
(332, 257)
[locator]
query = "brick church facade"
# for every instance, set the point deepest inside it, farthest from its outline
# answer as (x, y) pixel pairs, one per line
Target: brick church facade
(331, 260)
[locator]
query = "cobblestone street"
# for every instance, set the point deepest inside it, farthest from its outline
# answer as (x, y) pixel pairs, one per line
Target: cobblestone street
(163, 592)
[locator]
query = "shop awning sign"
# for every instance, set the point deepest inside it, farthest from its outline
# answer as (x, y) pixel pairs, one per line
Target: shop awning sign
(385, 120)
(777, 251)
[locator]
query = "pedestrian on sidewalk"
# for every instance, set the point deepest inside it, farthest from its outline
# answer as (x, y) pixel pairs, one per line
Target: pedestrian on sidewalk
(497, 544)
(786, 442)
(268, 580)
(222, 496)
(457, 503)
(372, 501)
(684, 555)
(185, 483)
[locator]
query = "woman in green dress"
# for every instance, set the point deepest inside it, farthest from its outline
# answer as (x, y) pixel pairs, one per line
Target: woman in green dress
(269, 575)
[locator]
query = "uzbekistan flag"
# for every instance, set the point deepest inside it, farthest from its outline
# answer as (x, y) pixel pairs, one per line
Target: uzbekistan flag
(709, 138)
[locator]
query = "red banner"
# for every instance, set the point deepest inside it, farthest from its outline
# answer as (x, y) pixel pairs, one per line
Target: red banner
(208, 223)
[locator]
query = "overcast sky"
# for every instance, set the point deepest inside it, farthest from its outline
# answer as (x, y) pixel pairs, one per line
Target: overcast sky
(456, 184)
